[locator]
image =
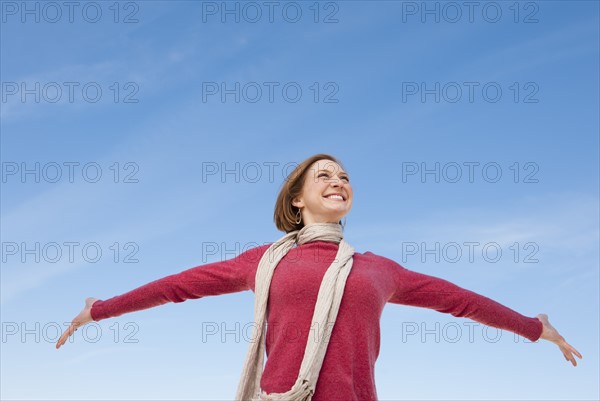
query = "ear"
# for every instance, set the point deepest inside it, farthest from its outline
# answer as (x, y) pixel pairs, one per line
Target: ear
(298, 202)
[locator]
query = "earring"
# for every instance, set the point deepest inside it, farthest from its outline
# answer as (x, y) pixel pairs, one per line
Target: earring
(344, 223)
(298, 217)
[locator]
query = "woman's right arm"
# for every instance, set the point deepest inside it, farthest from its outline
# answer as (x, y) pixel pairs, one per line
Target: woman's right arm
(221, 277)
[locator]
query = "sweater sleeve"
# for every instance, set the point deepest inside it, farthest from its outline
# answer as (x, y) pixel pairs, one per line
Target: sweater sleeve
(221, 277)
(422, 290)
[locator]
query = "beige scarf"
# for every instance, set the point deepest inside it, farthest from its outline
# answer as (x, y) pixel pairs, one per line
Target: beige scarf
(326, 310)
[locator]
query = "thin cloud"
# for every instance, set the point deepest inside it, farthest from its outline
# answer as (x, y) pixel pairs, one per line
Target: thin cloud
(563, 223)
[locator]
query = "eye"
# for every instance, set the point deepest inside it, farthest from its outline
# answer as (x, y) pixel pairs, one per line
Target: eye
(344, 177)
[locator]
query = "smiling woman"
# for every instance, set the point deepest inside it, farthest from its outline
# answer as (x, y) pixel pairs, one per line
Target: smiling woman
(312, 194)
(313, 282)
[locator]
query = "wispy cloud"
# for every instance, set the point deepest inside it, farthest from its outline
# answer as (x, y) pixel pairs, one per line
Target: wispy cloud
(564, 223)
(90, 213)
(61, 87)
(564, 42)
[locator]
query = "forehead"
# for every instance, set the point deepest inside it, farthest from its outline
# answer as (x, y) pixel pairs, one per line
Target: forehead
(328, 165)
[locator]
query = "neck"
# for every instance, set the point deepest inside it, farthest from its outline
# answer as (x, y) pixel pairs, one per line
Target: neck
(319, 232)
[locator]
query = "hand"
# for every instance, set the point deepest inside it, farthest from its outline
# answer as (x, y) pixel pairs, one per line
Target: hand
(84, 317)
(551, 334)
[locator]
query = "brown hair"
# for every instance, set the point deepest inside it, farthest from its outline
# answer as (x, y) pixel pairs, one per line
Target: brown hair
(285, 212)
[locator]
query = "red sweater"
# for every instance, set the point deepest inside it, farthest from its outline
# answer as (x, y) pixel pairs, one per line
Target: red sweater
(348, 368)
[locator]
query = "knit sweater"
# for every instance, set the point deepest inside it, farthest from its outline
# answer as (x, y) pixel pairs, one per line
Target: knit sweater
(348, 370)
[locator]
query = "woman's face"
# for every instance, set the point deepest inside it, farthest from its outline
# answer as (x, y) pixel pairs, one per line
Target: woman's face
(323, 179)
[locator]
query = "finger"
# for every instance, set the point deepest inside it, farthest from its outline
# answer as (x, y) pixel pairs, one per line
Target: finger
(573, 361)
(573, 350)
(69, 332)
(60, 342)
(62, 339)
(569, 356)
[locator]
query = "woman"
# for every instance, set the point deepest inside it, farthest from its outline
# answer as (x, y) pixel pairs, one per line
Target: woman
(328, 295)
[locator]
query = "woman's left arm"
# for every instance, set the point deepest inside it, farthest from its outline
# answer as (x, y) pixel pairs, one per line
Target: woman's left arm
(422, 290)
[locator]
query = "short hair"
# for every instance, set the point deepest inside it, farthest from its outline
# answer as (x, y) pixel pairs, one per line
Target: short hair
(285, 213)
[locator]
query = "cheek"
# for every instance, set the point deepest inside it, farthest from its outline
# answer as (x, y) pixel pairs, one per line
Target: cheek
(318, 189)
(315, 196)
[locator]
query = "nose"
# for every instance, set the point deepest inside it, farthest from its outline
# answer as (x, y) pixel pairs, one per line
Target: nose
(337, 182)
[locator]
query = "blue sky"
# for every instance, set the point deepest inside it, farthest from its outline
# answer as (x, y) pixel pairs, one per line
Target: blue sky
(510, 143)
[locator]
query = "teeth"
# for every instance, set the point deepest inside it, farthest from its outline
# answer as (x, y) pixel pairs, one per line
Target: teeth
(335, 196)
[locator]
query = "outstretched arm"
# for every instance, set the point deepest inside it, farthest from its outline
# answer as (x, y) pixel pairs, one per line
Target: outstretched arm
(222, 277)
(422, 290)
(551, 334)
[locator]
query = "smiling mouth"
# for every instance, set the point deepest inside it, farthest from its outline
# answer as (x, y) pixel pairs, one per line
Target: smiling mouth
(337, 198)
